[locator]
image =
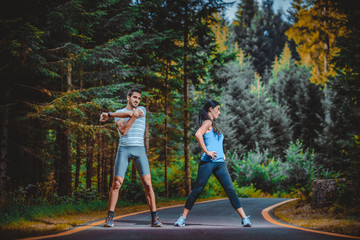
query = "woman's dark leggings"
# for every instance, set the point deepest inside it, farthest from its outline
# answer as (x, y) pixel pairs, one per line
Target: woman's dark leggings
(221, 173)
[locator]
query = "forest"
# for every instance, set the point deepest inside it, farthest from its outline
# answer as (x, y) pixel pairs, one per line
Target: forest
(288, 84)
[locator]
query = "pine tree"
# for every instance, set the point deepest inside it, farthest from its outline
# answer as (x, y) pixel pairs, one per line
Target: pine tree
(291, 89)
(259, 32)
(241, 119)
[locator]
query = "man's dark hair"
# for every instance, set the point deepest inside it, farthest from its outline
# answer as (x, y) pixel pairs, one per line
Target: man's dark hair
(130, 92)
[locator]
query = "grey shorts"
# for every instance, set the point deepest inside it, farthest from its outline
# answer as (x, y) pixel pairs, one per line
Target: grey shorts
(125, 154)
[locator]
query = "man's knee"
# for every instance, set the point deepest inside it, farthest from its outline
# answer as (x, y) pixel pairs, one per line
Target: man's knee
(147, 184)
(117, 184)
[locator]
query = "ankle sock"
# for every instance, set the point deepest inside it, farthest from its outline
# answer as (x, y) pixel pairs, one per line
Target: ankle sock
(153, 214)
(111, 214)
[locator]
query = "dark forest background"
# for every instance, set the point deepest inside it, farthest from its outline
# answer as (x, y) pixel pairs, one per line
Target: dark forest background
(288, 84)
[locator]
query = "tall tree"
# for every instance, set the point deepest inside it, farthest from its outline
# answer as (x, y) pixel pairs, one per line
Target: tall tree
(259, 32)
(290, 88)
(318, 24)
(346, 86)
(314, 32)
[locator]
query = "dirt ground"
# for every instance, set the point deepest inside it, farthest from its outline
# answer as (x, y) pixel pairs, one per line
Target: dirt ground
(331, 219)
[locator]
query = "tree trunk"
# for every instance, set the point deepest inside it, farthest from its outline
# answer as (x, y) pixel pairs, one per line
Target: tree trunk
(64, 162)
(112, 160)
(133, 172)
(38, 165)
(166, 133)
(325, 192)
(89, 162)
(79, 140)
(4, 145)
(64, 173)
(68, 171)
(186, 110)
(78, 162)
(105, 167)
(99, 164)
(326, 66)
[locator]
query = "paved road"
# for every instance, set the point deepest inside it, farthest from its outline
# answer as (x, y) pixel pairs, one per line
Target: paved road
(210, 220)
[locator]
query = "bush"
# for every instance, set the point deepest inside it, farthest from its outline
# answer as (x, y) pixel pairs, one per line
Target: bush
(259, 169)
(274, 175)
(298, 167)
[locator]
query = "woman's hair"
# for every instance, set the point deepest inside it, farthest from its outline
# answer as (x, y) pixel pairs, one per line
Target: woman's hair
(203, 114)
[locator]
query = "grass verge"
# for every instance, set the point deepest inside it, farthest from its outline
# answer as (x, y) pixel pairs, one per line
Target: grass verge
(41, 224)
(334, 219)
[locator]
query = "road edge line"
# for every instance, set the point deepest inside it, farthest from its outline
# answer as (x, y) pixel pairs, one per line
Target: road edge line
(96, 223)
(265, 213)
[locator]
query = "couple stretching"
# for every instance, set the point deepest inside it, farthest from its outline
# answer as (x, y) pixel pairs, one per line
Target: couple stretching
(131, 122)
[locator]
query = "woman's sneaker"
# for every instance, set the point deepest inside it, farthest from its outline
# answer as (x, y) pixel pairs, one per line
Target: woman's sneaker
(245, 222)
(180, 222)
(109, 222)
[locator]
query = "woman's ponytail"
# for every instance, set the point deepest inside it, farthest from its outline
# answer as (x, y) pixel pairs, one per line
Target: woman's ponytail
(203, 115)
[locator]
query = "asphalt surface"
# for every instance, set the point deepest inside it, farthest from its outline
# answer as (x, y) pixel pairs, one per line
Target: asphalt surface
(210, 220)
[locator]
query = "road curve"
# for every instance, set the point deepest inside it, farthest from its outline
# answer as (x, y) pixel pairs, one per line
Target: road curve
(208, 220)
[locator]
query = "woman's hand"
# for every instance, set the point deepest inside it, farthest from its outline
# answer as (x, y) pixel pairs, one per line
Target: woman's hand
(212, 154)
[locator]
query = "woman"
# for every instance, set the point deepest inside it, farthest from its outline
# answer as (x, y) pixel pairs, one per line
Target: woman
(212, 161)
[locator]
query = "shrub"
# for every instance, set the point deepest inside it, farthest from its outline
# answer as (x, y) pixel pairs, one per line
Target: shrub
(274, 175)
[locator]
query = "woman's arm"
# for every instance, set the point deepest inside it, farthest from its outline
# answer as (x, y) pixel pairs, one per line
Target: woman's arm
(199, 137)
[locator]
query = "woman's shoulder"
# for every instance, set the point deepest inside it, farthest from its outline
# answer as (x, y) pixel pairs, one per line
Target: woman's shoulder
(207, 126)
(206, 123)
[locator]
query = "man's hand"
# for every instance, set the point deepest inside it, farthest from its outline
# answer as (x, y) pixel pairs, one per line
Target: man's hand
(137, 113)
(104, 117)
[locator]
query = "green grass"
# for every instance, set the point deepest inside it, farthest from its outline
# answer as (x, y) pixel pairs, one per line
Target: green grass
(16, 213)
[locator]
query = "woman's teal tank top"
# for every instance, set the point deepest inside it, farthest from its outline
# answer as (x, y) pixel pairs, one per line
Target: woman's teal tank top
(213, 142)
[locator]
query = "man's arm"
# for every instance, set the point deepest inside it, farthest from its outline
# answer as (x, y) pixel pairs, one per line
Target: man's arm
(123, 114)
(125, 127)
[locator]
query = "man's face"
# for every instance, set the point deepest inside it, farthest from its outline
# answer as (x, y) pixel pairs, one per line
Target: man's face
(134, 100)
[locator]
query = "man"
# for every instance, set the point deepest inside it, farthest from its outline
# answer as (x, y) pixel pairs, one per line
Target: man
(131, 122)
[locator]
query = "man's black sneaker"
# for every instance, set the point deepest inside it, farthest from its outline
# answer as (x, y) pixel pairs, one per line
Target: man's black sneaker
(109, 222)
(155, 222)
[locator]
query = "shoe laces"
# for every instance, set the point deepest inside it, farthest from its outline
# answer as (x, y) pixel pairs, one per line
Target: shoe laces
(156, 218)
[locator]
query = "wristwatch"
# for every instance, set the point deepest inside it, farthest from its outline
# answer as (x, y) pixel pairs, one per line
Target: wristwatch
(109, 115)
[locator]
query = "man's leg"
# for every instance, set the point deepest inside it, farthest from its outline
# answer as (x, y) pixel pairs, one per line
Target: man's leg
(121, 164)
(114, 192)
(142, 165)
(113, 198)
(149, 191)
(150, 198)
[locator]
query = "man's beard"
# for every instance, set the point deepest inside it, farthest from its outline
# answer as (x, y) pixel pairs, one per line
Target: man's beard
(133, 105)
